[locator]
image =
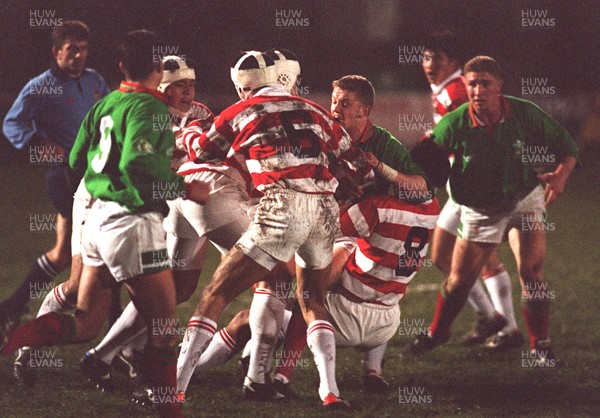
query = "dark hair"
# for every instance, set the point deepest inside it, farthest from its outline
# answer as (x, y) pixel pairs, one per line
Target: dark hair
(444, 41)
(137, 53)
(483, 64)
(359, 85)
(70, 29)
(433, 159)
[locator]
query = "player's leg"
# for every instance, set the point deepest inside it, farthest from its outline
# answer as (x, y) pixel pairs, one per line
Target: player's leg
(497, 281)
(154, 296)
(236, 273)
(529, 248)
(467, 260)
(312, 285)
(442, 245)
(226, 343)
(295, 336)
(373, 364)
(265, 319)
(294, 343)
(58, 329)
(43, 271)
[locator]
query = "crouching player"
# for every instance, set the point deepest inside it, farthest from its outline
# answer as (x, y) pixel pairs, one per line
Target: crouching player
(386, 241)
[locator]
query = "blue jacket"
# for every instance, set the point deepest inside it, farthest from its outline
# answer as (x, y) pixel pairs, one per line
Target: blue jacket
(52, 106)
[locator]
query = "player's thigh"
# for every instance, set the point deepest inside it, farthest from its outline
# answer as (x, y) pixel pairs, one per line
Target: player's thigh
(236, 273)
(153, 294)
(467, 260)
(442, 245)
(342, 250)
(186, 253)
(322, 213)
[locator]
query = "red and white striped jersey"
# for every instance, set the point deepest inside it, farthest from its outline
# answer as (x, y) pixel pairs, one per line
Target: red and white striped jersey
(393, 237)
(448, 95)
(286, 141)
(200, 116)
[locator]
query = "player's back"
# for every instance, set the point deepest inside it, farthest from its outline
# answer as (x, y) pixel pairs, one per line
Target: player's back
(120, 129)
(393, 238)
(285, 139)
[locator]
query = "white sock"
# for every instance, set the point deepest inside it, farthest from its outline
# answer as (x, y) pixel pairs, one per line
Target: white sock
(266, 316)
(246, 350)
(137, 343)
(480, 301)
(321, 341)
(500, 289)
(220, 350)
(374, 358)
(127, 327)
(198, 334)
(56, 301)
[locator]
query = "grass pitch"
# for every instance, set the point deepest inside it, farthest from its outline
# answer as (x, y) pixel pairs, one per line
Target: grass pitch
(449, 381)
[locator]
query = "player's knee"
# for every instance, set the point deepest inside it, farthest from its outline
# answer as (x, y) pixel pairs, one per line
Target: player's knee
(532, 271)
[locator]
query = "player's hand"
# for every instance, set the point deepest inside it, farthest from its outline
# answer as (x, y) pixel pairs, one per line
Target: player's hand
(555, 184)
(197, 191)
(371, 159)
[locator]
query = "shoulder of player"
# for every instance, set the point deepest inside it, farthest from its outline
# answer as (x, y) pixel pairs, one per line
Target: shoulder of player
(383, 136)
(519, 105)
(200, 110)
(39, 80)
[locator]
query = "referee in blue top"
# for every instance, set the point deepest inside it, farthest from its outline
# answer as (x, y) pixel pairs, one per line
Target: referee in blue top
(46, 117)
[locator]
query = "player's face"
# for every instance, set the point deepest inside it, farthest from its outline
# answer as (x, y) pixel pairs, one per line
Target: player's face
(71, 57)
(483, 90)
(180, 94)
(347, 109)
(437, 66)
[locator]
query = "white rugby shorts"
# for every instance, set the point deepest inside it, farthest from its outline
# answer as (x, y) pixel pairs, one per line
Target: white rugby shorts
(223, 219)
(362, 325)
(82, 203)
(129, 244)
(492, 228)
(287, 222)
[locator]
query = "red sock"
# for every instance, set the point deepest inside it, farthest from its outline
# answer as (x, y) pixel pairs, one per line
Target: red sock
(295, 341)
(160, 366)
(446, 310)
(536, 314)
(49, 329)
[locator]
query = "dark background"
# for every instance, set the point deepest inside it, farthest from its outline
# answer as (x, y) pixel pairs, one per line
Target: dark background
(339, 37)
(342, 36)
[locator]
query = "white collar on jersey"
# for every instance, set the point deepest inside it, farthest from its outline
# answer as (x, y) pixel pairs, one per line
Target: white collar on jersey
(437, 89)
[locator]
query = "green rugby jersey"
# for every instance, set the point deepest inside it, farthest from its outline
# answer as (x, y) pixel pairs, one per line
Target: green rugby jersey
(382, 144)
(123, 150)
(495, 167)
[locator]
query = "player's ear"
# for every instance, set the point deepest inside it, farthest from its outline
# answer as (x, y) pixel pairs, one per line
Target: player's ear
(122, 68)
(366, 110)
